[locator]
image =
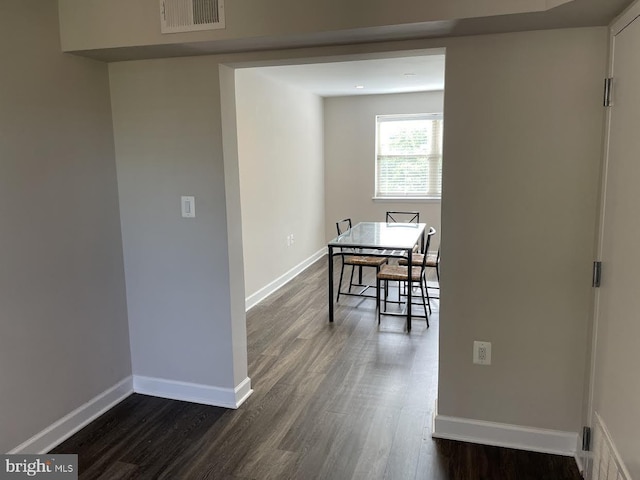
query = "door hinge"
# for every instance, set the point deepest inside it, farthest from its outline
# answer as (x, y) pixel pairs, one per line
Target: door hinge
(597, 274)
(586, 439)
(608, 86)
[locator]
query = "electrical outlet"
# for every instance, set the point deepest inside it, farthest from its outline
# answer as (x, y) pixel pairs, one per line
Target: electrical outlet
(482, 353)
(292, 239)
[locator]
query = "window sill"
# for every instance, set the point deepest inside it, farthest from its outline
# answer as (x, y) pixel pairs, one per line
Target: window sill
(407, 199)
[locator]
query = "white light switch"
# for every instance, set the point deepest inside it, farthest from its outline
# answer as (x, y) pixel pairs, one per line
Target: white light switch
(188, 207)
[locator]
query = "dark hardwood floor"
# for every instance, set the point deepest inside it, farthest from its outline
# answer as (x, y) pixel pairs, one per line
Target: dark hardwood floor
(331, 401)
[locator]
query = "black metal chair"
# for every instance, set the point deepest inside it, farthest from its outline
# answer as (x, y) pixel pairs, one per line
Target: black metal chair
(353, 258)
(400, 274)
(432, 261)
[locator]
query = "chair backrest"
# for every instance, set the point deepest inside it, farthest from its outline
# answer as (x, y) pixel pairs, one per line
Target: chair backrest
(430, 234)
(343, 225)
(404, 217)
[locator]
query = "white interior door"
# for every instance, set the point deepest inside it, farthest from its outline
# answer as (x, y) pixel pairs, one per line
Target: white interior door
(615, 399)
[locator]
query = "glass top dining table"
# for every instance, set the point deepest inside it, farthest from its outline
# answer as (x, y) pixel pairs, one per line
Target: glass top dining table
(378, 239)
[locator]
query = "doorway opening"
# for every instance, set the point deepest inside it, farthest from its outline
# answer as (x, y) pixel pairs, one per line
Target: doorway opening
(306, 142)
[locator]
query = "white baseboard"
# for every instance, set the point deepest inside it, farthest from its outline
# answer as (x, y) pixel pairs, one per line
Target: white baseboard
(505, 435)
(59, 431)
(252, 300)
(71, 423)
(193, 392)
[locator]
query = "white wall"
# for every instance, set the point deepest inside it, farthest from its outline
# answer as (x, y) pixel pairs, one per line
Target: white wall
(167, 124)
(63, 318)
(523, 143)
(280, 148)
(350, 132)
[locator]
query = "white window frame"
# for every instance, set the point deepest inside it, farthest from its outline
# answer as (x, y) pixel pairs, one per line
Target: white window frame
(434, 193)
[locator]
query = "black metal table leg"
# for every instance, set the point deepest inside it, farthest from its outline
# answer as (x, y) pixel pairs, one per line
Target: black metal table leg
(330, 284)
(409, 287)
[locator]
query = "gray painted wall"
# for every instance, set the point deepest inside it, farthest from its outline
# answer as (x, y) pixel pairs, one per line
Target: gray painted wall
(523, 143)
(63, 318)
(280, 145)
(503, 212)
(117, 23)
(350, 154)
(234, 228)
(168, 137)
(518, 167)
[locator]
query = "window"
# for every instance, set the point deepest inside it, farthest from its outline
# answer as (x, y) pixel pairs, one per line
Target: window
(409, 156)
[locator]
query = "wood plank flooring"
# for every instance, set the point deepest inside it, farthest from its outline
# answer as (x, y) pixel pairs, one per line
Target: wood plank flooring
(348, 400)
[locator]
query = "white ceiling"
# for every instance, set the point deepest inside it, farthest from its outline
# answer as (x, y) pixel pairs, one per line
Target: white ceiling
(377, 76)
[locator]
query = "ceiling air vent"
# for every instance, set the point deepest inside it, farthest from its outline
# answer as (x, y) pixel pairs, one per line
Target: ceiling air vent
(191, 15)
